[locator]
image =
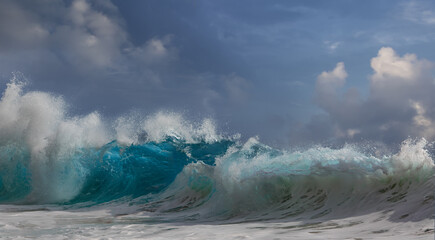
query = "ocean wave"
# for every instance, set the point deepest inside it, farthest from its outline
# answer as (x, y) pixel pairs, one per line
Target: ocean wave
(168, 165)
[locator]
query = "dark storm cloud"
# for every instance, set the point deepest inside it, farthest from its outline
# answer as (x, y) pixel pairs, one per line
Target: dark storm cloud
(251, 65)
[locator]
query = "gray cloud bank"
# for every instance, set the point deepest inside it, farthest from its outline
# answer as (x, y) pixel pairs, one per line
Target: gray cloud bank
(81, 49)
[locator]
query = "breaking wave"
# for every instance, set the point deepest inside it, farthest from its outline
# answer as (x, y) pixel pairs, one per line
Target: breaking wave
(172, 167)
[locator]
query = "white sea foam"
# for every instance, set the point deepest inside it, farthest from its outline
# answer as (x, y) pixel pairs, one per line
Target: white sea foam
(168, 124)
(412, 156)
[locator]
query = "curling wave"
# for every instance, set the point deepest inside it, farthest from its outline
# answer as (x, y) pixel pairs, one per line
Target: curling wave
(169, 166)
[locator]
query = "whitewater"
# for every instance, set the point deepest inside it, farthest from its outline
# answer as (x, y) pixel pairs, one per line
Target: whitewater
(164, 177)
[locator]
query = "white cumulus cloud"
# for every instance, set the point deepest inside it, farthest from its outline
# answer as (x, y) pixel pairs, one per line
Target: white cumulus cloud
(400, 103)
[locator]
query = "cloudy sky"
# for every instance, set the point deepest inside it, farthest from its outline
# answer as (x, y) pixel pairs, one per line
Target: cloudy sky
(290, 72)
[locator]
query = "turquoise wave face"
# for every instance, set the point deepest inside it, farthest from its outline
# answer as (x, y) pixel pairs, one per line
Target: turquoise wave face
(15, 178)
(130, 171)
(101, 174)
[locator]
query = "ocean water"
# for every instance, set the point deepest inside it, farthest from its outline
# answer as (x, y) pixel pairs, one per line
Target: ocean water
(162, 177)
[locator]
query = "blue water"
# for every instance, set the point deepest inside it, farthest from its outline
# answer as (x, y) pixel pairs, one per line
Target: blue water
(186, 171)
(111, 171)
